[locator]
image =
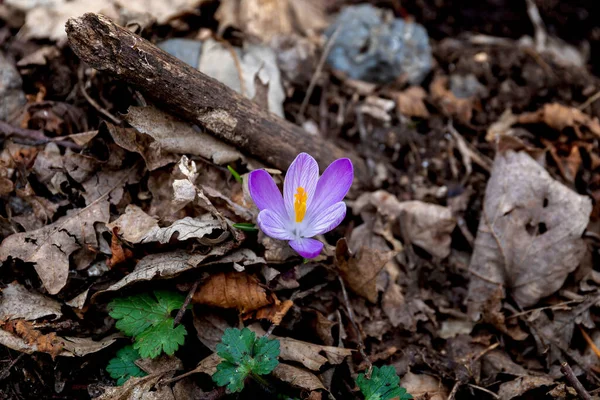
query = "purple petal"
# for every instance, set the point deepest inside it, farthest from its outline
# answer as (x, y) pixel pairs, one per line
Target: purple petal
(325, 220)
(303, 172)
(273, 225)
(332, 186)
(307, 248)
(265, 193)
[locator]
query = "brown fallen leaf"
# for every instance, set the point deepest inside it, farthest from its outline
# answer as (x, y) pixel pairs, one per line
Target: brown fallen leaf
(120, 254)
(402, 312)
(47, 343)
(16, 302)
(360, 270)
(210, 327)
(135, 226)
(452, 106)
(233, 290)
(559, 117)
(267, 19)
(410, 102)
(426, 225)
(518, 387)
(274, 312)
(297, 377)
(424, 387)
(529, 235)
(49, 247)
(308, 354)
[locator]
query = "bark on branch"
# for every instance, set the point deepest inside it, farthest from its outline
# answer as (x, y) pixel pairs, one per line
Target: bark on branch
(196, 97)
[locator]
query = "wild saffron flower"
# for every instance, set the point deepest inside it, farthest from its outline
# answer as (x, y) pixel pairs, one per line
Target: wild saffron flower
(310, 205)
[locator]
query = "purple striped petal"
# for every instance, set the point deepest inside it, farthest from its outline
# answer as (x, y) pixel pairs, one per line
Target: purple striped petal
(307, 248)
(273, 225)
(332, 186)
(303, 172)
(325, 220)
(265, 193)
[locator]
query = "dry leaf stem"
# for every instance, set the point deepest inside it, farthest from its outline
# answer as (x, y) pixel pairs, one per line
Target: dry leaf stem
(565, 368)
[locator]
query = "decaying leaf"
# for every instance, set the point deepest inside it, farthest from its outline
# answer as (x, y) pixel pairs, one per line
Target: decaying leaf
(135, 226)
(171, 135)
(410, 102)
(49, 247)
(559, 117)
(210, 327)
(16, 302)
(171, 264)
(274, 312)
(233, 290)
(360, 270)
(33, 338)
(268, 19)
(529, 235)
(426, 225)
(452, 106)
(404, 312)
(424, 387)
(312, 356)
(297, 377)
(518, 387)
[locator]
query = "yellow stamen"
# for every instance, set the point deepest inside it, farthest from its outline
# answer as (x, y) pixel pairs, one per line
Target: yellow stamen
(300, 203)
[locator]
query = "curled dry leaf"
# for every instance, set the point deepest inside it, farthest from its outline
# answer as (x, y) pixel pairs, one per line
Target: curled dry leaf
(268, 19)
(172, 135)
(312, 356)
(452, 106)
(298, 377)
(360, 270)
(16, 302)
(49, 247)
(233, 290)
(410, 102)
(169, 265)
(424, 387)
(529, 235)
(274, 312)
(33, 338)
(518, 387)
(426, 225)
(559, 117)
(135, 226)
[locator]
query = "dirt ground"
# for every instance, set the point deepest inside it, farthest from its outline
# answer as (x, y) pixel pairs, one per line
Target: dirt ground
(466, 259)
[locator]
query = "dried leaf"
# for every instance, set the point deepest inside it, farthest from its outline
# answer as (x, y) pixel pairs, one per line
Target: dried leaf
(49, 247)
(452, 106)
(267, 19)
(559, 117)
(172, 135)
(424, 387)
(210, 327)
(308, 354)
(529, 235)
(16, 302)
(33, 338)
(410, 102)
(233, 290)
(520, 386)
(135, 226)
(298, 377)
(360, 270)
(274, 312)
(402, 312)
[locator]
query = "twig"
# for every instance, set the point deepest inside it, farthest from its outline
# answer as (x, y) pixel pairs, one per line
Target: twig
(494, 395)
(93, 102)
(361, 345)
(454, 390)
(313, 80)
(590, 101)
(5, 371)
(565, 368)
(185, 304)
(33, 137)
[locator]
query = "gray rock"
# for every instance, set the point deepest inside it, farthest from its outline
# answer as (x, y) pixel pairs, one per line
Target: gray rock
(370, 48)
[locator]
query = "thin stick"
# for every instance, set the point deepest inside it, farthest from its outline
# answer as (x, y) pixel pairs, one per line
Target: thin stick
(454, 390)
(565, 368)
(33, 137)
(361, 345)
(313, 80)
(93, 102)
(185, 304)
(494, 395)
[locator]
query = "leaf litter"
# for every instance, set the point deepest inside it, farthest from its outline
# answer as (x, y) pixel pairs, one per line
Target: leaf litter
(470, 279)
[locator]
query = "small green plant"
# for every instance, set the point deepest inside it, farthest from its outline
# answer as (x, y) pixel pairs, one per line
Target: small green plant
(235, 174)
(148, 320)
(244, 355)
(383, 385)
(245, 226)
(123, 367)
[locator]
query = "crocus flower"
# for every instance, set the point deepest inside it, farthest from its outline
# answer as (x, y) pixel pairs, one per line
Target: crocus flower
(310, 205)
